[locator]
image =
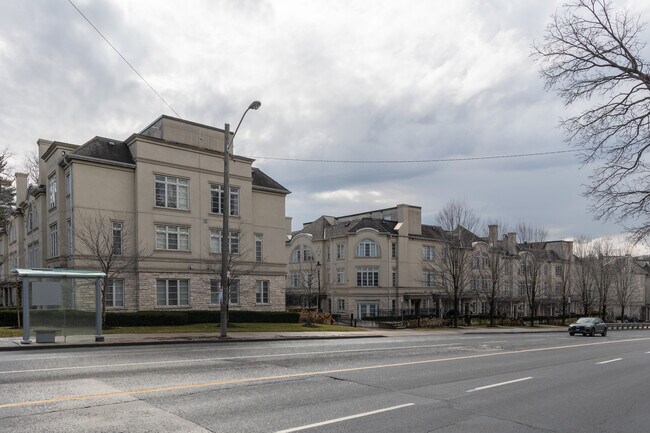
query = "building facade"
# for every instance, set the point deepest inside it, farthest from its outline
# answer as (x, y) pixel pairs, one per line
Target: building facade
(153, 205)
(386, 262)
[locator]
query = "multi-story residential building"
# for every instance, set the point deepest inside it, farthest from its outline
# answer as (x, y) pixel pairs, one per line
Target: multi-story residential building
(386, 262)
(153, 204)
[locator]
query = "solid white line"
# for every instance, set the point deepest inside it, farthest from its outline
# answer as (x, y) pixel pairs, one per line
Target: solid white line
(607, 362)
(200, 360)
(345, 418)
(500, 384)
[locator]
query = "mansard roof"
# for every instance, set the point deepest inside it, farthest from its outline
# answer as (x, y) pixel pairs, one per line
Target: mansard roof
(107, 149)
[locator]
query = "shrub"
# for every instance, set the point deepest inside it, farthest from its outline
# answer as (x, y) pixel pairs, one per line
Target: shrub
(9, 317)
(316, 317)
(428, 322)
(176, 318)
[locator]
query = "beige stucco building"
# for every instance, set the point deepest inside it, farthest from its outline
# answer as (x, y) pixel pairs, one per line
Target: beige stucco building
(153, 204)
(386, 262)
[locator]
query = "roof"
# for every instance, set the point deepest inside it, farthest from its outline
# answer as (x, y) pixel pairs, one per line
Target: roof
(107, 149)
(57, 273)
(263, 181)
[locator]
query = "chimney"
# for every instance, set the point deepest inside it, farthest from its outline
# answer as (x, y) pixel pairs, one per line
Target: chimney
(43, 145)
(493, 233)
(511, 239)
(21, 187)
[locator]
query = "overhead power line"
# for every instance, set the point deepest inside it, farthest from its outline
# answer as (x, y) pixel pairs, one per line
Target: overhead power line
(413, 161)
(123, 58)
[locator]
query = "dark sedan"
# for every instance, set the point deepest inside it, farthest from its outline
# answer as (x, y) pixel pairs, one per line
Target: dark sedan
(588, 326)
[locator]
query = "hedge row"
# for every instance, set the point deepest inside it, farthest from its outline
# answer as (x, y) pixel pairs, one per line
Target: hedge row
(160, 318)
(175, 318)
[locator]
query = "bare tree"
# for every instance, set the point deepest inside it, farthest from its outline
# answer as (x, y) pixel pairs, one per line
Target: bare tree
(493, 267)
(566, 274)
(532, 260)
(458, 221)
(31, 164)
(305, 275)
(583, 272)
(603, 269)
(624, 290)
(7, 191)
(108, 241)
(591, 52)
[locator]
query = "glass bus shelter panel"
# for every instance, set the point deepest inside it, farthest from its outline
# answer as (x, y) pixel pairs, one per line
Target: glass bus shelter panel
(62, 306)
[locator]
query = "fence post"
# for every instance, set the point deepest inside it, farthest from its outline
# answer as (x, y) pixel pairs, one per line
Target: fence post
(351, 319)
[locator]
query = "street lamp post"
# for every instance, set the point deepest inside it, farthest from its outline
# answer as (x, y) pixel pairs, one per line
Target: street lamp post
(225, 233)
(318, 275)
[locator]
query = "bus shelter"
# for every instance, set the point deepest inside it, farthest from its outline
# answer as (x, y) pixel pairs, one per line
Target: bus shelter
(60, 301)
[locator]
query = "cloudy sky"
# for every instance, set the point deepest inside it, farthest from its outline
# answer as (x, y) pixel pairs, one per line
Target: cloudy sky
(338, 80)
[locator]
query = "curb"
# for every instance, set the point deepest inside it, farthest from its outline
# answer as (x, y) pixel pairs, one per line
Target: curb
(226, 340)
(512, 332)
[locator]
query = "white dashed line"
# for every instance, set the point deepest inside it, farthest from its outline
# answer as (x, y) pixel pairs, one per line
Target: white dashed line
(607, 362)
(499, 384)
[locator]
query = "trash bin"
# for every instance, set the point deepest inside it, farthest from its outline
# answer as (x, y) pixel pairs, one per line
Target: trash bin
(45, 336)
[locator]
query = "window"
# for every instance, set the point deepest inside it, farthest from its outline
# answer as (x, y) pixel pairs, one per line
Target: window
(394, 278)
(54, 244)
(172, 292)
(258, 248)
(558, 289)
(428, 278)
(262, 292)
(474, 283)
(428, 252)
(216, 199)
(172, 238)
(486, 261)
(393, 250)
(115, 293)
(51, 191)
(33, 256)
(485, 283)
(69, 238)
(340, 304)
(340, 276)
(68, 188)
(13, 260)
(367, 248)
(12, 233)
(339, 251)
(294, 279)
(368, 277)
(295, 255)
(215, 241)
(32, 217)
(558, 270)
(307, 255)
(476, 262)
(215, 292)
(172, 192)
(522, 288)
(117, 238)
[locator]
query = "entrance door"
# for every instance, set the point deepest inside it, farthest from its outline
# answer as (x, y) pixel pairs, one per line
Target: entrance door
(367, 309)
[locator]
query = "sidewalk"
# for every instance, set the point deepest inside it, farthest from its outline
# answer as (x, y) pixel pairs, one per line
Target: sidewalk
(10, 344)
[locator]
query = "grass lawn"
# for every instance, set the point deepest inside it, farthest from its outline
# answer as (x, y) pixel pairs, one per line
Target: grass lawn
(7, 332)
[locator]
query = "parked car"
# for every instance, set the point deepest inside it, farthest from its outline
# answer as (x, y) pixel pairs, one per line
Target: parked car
(588, 326)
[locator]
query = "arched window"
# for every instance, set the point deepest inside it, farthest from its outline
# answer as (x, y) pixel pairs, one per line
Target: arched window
(367, 248)
(295, 255)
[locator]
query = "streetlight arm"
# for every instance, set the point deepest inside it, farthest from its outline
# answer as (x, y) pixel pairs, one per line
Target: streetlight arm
(254, 106)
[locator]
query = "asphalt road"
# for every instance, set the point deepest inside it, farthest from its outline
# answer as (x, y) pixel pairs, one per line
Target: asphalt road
(430, 383)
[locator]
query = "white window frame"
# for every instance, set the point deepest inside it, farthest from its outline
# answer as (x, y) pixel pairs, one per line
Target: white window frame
(216, 199)
(181, 285)
(340, 305)
(340, 251)
(340, 276)
(259, 248)
(368, 277)
(51, 191)
(367, 248)
(215, 292)
(170, 185)
(216, 238)
(262, 292)
(54, 240)
(115, 293)
(428, 252)
(428, 278)
(118, 234)
(164, 232)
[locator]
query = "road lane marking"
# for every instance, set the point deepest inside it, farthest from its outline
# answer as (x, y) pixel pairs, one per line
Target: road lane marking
(480, 388)
(345, 418)
(228, 358)
(311, 374)
(611, 360)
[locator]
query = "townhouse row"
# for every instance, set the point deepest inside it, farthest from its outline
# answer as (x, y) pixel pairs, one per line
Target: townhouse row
(153, 204)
